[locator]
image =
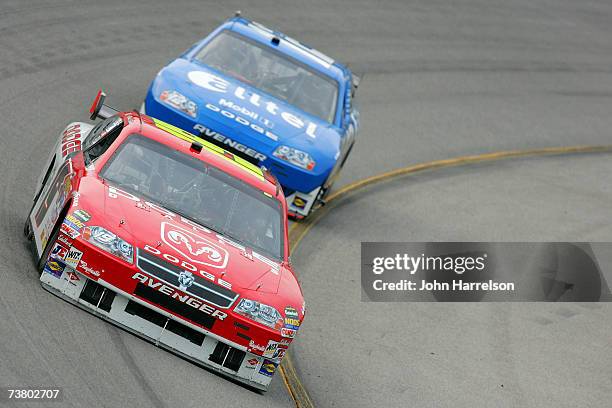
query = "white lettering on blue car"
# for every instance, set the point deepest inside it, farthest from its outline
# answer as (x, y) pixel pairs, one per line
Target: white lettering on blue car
(217, 84)
(211, 134)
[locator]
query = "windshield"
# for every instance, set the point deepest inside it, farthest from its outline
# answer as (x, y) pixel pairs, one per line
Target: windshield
(272, 72)
(191, 188)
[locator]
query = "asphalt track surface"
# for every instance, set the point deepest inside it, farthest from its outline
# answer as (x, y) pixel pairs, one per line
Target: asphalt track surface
(441, 79)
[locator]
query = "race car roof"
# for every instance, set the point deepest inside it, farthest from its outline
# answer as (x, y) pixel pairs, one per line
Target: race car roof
(286, 45)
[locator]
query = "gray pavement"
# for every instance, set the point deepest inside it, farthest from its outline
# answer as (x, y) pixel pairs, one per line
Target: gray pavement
(441, 79)
(362, 354)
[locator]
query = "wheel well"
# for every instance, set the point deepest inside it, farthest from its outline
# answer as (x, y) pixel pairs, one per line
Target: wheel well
(60, 219)
(54, 232)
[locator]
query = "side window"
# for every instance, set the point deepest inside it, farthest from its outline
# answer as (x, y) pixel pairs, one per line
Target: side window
(101, 137)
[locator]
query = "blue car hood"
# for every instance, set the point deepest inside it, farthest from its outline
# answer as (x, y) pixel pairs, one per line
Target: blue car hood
(262, 117)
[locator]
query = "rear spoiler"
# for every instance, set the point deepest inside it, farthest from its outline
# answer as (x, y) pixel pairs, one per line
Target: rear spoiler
(99, 109)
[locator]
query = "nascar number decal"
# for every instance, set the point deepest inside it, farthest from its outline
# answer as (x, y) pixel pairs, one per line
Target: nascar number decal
(192, 246)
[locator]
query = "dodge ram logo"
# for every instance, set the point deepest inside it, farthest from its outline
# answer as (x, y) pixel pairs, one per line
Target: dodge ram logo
(185, 279)
(194, 247)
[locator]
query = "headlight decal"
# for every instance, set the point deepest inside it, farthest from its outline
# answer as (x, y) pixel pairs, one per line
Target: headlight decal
(109, 242)
(295, 157)
(179, 102)
(259, 312)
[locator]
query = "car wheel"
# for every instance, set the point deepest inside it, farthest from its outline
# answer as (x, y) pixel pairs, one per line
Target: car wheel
(27, 230)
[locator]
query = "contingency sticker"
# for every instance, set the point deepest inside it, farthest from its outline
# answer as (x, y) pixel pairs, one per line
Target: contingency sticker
(82, 215)
(73, 256)
(55, 267)
(58, 251)
(270, 349)
(268, 368)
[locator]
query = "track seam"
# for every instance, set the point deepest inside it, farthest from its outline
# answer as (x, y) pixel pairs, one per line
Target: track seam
(292, 381)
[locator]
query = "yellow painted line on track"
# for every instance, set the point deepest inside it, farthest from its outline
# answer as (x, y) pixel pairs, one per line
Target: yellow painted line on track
(298, 230)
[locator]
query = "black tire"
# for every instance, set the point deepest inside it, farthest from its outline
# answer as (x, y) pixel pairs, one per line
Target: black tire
(27, 230)
(339, 169)
(347, 155)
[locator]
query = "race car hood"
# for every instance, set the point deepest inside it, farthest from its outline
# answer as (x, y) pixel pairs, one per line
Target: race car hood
(261, 117)
(152, 229)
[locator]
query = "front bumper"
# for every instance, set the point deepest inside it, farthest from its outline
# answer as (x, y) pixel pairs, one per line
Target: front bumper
(160, 327)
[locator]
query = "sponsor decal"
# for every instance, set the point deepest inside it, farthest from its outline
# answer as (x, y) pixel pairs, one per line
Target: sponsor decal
(240, 120)
(68, 230)
(193, 247)
(299, 202)
(82, 266)
(211, 134)
(270, 349)
(255, 346)
(75, 199)
(67, 184)
(58, 251)
(286, 332)
(73, 226)
(208, 81)
(188, 266)
(55, 267)
(74, 222)
(185, 280)
(280, 353)
(64, 239)
(142, 206)
(180, 296)
(71, 140)
(73, 277)
(291, 312)
(252, 363)
(220, 85)
(82, 215)
(180, 102)
(73, 257)
(250, 114)
(292, 323)
(268, 368)
(284, 342)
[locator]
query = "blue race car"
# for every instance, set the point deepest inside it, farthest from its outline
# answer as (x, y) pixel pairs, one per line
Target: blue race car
(267, 98)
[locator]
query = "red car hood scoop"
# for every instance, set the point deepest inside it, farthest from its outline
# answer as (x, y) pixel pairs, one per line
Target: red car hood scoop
(189, 246)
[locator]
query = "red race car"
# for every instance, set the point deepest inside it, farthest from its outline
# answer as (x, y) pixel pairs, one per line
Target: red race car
(171, 238)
